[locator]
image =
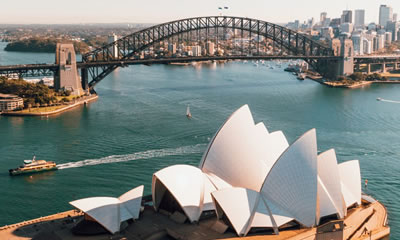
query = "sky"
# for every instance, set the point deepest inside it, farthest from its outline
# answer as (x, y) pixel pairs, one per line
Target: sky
(159, 11)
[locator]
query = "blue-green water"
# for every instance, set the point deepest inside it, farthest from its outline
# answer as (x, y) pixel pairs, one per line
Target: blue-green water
(138, 126)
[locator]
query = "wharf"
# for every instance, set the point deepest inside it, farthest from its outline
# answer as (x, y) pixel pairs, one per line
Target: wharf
(365, 222)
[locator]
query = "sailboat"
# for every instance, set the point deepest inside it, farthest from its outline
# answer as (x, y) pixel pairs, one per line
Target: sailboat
(188, 114)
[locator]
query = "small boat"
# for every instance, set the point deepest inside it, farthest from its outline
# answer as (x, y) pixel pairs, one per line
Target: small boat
(301, 76)
(33, 166)
(379, 99)
(188, 113)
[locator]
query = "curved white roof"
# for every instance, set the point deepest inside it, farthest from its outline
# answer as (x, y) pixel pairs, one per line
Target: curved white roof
(351, 182)
(274, 145)
(105, 210)
(131, 201)
(188, 185)
(109, 211)
(246, 208)
(239, 205)
(234, 155)
(331, 199)
(292, 183)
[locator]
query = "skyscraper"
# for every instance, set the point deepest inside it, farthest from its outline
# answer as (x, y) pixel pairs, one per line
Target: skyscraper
(385, 14)
(394, 17)
(359, 18)
(323, 17)
(347, 16)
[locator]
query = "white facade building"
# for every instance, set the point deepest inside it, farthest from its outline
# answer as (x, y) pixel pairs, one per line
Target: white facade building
(196, 50)
(114, 48)
(255, 179)
(111, 212)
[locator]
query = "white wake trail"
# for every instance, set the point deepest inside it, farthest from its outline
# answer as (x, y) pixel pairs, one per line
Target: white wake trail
(391, 101)
(136, 156)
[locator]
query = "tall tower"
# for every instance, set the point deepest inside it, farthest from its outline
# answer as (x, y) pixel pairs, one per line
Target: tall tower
(114, 47)
(385, 15)
(67, 77)
(359, 18)
(347, 16)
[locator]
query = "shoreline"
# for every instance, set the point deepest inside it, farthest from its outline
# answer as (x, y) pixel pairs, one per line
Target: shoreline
(60, 110)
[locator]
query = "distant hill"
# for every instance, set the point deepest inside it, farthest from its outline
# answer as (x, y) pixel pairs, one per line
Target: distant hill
(41, 45)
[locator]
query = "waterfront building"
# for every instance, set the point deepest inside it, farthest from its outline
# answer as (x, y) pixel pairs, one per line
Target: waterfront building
(210, 48)
(10, 102)
(114, 47)
(279, 185)
(379, 42)
(110, 212)
(385, 15)
(172, 48)
(196, 50)
(347, 16)
(358, 42)
(367, 46)
(359, 18)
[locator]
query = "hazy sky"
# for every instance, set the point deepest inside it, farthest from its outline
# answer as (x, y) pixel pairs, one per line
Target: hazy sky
(158, 11)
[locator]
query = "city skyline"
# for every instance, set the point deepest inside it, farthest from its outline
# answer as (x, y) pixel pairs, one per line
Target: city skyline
(124, 11)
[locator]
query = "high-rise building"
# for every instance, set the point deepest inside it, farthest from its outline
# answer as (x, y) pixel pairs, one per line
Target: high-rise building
(323, 17)
(359, 18)
(347, 16)
(172, 48)
(393, 27)
(346, 27)
(196, 50)
(210, 48)
(114, 47)
(385, 14)
(394, 17)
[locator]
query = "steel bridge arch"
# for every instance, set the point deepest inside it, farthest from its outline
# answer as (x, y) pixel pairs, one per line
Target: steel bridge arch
(295, 43)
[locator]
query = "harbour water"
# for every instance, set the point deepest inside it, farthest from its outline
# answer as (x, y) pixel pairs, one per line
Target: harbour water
(138, 126)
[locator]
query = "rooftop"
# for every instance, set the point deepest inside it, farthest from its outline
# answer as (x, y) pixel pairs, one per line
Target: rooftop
(369, 218)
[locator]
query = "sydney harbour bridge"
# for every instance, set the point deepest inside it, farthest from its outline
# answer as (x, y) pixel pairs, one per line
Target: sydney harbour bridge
(330, 61)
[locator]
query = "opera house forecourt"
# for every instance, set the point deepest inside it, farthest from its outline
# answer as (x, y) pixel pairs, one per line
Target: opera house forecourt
(250, 184)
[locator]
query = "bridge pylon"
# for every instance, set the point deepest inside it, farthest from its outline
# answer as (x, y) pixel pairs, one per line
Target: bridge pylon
(66, 77)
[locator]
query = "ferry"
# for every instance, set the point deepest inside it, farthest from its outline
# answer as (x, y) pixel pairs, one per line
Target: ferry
(33, 166)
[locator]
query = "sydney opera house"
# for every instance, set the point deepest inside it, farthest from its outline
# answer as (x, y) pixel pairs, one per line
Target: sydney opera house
(249, 183)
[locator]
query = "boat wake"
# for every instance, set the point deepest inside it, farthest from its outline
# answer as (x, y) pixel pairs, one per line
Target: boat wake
(198, 148)
(390, 101)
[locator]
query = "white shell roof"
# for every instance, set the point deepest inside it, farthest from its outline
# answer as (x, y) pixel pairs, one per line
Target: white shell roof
(258, 180)
(331, 199)
(131, 201)
(188, 185)
(110, 212)
(351, 182)
(246, 208)
(235, 154)
(292, 183)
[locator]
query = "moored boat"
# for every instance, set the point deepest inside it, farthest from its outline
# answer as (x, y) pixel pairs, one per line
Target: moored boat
(33, 166)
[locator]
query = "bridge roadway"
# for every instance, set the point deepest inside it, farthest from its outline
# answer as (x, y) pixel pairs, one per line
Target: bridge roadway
(43, 69)
(33, 70)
